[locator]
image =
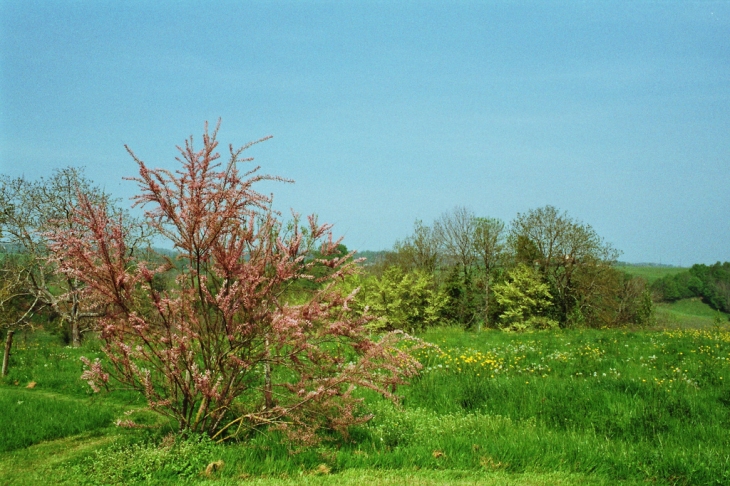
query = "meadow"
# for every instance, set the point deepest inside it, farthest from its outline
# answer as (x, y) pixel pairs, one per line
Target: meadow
(650, 273)
(561, 407)
(682, 314)
(688, 313)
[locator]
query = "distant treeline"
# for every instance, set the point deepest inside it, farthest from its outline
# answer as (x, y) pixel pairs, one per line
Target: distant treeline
(710, 283)
(542, 270)
(646, 264)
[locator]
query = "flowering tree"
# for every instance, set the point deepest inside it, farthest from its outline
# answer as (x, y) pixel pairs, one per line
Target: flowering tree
(31, 281)
(222, 351)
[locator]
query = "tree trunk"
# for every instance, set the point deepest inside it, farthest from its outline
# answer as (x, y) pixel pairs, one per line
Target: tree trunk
(268, 395)
(75, 334)
(6, 354)
(486, 306)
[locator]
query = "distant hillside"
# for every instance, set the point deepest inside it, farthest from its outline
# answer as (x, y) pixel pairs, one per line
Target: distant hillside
(688, 313)
(660, 265)
(165, 251)
(649, 271)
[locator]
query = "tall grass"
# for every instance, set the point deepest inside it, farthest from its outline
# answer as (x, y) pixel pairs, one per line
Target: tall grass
(599, 406)
(628, 405)
(58, 403)
(29, 417)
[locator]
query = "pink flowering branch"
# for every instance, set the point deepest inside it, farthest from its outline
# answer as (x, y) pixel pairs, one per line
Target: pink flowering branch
(223, 349)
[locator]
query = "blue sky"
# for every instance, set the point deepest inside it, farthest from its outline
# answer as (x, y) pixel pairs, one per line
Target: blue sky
(388, 112)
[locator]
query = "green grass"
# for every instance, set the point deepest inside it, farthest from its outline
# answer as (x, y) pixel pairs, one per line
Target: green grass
(610, 402)
(650, 273)
(59, 404)
(31, 416)
(44, 463)
(685, 313)
(567, 407)
(692, 307)
(688, 313)
(43, 359)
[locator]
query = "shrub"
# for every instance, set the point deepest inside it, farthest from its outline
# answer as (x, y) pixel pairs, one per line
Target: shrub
(404, 300)
(221, 351)
(524, 300)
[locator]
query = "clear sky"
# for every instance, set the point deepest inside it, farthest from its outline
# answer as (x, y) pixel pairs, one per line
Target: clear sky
(388, 112)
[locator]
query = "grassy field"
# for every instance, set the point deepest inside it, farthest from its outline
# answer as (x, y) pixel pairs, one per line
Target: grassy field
(650, 273)
(686, 313)
(689, 313)
(569, 407)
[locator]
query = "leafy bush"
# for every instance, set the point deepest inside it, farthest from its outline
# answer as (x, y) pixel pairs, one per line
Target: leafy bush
(524, 300)
(404, 300)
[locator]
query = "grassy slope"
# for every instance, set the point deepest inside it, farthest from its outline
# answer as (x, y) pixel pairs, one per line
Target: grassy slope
(574, 407)
(688, 313)
(357, 477)
(649, 273)
(39, 464)
(37, 416)
(42, 463)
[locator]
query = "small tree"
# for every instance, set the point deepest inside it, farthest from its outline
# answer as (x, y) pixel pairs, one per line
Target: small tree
(223, 351)
(420, 251)
(524, 300)
(13, 311)
(31, 210)
(455, 233)
(489, 247)
(404, 300)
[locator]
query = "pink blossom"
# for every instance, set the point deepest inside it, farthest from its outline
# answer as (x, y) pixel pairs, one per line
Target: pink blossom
(226, 330)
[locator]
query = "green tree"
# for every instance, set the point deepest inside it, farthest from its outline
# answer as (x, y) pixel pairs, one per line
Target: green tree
(455, 232)
(609, 298)
(710, 282)
(561, 247)
(404, 300)
(524, 300)
(15, 306)
(420, 251)
(525, 251)
(489, 246)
